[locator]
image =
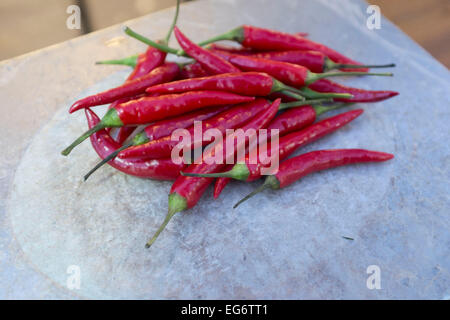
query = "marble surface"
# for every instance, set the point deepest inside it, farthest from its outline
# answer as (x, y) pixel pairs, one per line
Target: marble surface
(284, 245)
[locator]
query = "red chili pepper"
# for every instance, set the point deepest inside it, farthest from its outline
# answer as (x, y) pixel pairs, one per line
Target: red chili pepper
(144, 144)
(245, 83)
(266, 40)
(186, 191)
(295, 168)
(315, 61)
(149, 109)
(228, 119)
(249, 171)
(193, 70)
(359, 95)
(161, 169)
(289, 121)
(159, 133)
(146, 63)
(208, 60)
(133, 87)
(288, 73)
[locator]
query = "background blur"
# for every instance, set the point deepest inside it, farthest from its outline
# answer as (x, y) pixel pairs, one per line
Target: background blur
(27, 25)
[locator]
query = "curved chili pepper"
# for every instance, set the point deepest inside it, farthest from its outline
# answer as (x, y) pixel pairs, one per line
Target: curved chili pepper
(245, 83)
(149, 109)
(249, 171)
(296, 168)
(266, 40)
(133, 87)
(291, 74)
(208, 60)
(289, 121)
(315, 61)
(359, 95)
(146, 63)
(161, 169)
(160, 132)
(186, 191)
(228, 119)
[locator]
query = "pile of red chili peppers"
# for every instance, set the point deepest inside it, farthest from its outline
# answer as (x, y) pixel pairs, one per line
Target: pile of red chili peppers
(273, 80)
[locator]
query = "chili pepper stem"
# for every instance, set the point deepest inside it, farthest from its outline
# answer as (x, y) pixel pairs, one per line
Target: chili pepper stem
(236, 34)
(288, 105)
(312, 77)
(174, 22)
(111, 119)
(238, 172)
(149, 42)
(293, 95)
(270, 182)
(177, 203)
(322, 109)
(311, 94)
(83, 137)
(107, 159)
(330, 65)
(130, 61)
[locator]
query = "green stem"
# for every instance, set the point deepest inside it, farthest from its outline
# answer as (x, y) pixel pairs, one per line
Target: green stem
(270, 182)
(303, 103)
(83, 137)
(312, 77)
(311, 94)
(262, 187)
(149, 42)
(110, 119)
(293, 95)
(322, 109)
(130, 61)
(174, 22)
(177, 203)
(330, 65)
(107, 159)
(239, 172)
(236, 34)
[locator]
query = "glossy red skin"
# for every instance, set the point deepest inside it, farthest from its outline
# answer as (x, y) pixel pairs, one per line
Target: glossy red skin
(291, 120)
(165, 127)
(265, 39)
(229, 119)
(149, 109)
(146, 62)
(288, 143)
(291, 142)
(193, 70)
(209, 61)
(288, 73)
(134, 87)
(313, 60)
(245, 83)
(104, 145)
(359, 95)
(192, 188)
(151, 59)
(295, 168)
